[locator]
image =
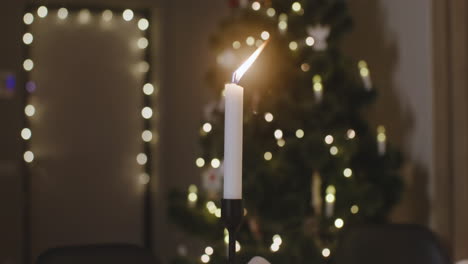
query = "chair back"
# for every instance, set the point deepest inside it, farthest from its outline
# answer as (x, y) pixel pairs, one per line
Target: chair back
(97, 254)
(390, 244)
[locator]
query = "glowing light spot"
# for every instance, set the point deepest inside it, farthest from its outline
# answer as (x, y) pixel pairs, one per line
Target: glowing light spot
(348, 172)
(354, 209)
(28, 38)
(350, 134)
(283, 17)
(142, 159)
(283, 25)
(28, 156)
(211, 206)
(192, 197)
(274, 247)
(147, 136)
(299, 133)
(267, 155)
(256, 6)
(310, 41)
(143, 66)
(193, 188)
(28, 65)
(330, 198)
(144, 178)
(207, 127)
(28, 18)
(293, 45)
(107, 15)
(296, 7)
(364, 72)
(215, 163)
(209, 251)
(362, 64)
(143, 24)
(26, 133)
(143, 43)
(331, 189)
(265, 35)
(326, 252)
(127, 15)
(271, 12)
(277, 239)
(200, 162)
(305, 67)
(84, 16)
(278, 134)
(281, 142)
(268, 117)
(318, 87)
(250, 41)
(42, 11)
(147, 112)
(334, 150)
(218, 213)
(339, 223)
(236, 45)
(238, 246)
(30, 110)
(62, 13)
(329, 139)
(148, 89)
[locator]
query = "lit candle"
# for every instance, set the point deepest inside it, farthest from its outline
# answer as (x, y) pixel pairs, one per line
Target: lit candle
(365, 74)
(234, 103)
(381, 140)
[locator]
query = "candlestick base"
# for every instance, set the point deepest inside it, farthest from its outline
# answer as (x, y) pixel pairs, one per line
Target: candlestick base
(232, 212)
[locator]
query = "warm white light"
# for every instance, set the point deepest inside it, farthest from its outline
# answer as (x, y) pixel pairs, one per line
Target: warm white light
(299, 133)
(28, 65)
(348, 172)
(30, 110)
(281, 142)
(209, 251)
(84, 16)
(256, 6)
(330, 189)
(364, 72)
(218, 213)
(381, 137)
(326, 252)
(28, 18)
(193, 188)
(339, 223)
(305, 67)
(268, 117)
(28, 38)
(271, 12)
(274, 247)
(207, 127)
(333, 150)
(330, 198)
(143, 66)
(192, 197)
(26, 133)
(283, 25)
(329, 139)
(107, 15)
(278, 134)
(42, 11)
(246, 65)
(143, 24)
(144, 178)
(296, 7)
(148, 89)
(354, 209)
(200, 162)
(350, 134)
(267, 155)
(62, 13)
(142, 159)
(310, 41)
(277, 239)
(238, 246)
(236, 45)
(147, 136)
(250, 41)
(362, 64)
(265, 35)
(215, 163)
(293, 45)
(143, 43)
(28, 156)
(211, 206)
(318, 86)
(147, 112)
(127, 15)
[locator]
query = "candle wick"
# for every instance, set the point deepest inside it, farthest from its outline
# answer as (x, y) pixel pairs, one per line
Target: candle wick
(234, 78)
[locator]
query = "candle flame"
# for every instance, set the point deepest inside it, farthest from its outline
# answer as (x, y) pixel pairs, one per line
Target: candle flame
(237, 76)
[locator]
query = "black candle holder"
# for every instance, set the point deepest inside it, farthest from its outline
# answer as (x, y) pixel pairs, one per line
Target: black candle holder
(232, 212)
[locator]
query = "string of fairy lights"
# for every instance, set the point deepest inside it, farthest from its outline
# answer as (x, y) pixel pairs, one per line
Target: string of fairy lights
(98, 18)
(228, 60)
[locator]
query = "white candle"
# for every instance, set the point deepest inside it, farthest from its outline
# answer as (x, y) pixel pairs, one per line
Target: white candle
(234, 103)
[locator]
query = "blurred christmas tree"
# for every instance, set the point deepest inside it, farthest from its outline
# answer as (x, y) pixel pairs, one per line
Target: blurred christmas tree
(312, 164)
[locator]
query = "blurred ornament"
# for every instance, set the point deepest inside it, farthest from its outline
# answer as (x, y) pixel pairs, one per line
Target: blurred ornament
(211, 181)
(320, 34)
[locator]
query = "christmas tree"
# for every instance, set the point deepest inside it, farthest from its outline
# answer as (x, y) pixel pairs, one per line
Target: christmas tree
(312, 166)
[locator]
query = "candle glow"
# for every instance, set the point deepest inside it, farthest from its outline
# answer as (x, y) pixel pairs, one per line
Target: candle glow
(237, 76)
